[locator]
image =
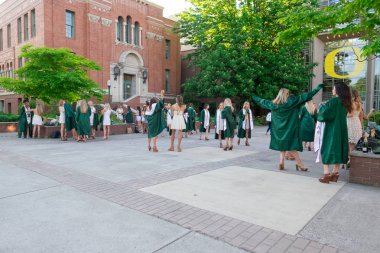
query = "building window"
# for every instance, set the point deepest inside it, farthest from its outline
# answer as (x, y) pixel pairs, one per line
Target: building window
(26, 27)
(33, 23)
(2, 109)
(167, 49)
(167, 80)
(1, 40)
(119, 32)
(19, 30)
(128, 30)
(136, 33)
(70, 24)
(9, 36)
(9, 107)
(20, 62)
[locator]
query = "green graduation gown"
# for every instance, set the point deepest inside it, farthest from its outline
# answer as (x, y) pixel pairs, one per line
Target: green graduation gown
(96, 122)
(230, 122)
(156, 121)
(241, 130)
(83, 120)
(129, 116)
(335, 136)
(70, 122)
(285, 121)
(202, 128)
(307, 125)
(23, 126)
(191, 119)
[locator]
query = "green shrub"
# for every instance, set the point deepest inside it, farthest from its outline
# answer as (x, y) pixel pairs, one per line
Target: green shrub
(5, 117)
(260, 121)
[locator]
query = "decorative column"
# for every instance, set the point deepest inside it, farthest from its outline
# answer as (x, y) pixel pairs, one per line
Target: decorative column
(125, 32)
(140, 36)
(116, 22)
(133, 34)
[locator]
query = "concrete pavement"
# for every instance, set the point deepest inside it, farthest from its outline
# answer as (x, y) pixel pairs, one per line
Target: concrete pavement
(74, 197)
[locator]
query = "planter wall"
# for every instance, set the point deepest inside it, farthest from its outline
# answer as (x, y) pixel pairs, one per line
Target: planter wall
(365, 168)
(8, 127)
(49, 131)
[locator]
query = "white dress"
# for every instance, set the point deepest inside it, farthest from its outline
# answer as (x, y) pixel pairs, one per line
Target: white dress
(37, 120)
(355, 131)
(178, 121)
(93, 111)
(221, 124)
(107, 118)
(248, 124)
(169, 118)
(62, 118)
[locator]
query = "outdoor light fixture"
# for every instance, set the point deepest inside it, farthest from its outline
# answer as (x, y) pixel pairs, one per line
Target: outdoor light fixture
(145, 75)
(109, 89)
(116, 72)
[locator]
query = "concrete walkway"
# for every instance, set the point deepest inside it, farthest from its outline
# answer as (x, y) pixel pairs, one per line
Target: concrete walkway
(115, 196)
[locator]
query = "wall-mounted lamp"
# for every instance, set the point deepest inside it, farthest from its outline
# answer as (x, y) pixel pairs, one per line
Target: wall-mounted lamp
(116, 72)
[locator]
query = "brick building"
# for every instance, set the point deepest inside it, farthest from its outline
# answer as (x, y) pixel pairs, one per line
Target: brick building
(130, 39)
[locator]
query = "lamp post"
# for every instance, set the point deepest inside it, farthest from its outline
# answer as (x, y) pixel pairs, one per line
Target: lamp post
(109, 91)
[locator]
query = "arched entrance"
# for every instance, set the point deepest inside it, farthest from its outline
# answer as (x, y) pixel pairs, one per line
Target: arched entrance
(130, 82)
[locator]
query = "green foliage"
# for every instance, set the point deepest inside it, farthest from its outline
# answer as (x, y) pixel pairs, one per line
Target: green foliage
(236, 55)
(52, 74)
(374, 118)
(307, 20)
(260, 120)
(7, 117)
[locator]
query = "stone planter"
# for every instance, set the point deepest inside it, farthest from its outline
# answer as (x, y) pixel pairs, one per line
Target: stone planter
(198, 124)
(8, 127)
(365, 168)
(50, 131)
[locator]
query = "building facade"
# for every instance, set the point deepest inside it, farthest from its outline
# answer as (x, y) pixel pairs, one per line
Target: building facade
(130, 39)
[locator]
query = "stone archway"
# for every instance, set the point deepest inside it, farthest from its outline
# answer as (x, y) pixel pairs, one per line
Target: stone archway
(130, 83)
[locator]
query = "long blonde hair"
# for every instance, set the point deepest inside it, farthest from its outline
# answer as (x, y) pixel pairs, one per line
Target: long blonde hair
(227, 102)
(310, 107)
(282, 97)
(83, 106)
(61, 102)
(245, 104)
(39, 109)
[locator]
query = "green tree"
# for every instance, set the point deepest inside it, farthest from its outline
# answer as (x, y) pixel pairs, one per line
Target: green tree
(51, 74)
(307, 19)
(236, 55)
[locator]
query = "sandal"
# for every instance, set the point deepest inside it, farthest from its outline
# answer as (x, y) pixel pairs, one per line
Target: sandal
(325, 179)
(171, 149)
(155, 150)
(300, 168)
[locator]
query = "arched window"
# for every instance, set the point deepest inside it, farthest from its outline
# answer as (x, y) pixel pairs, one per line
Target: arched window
(136, 40)
(128, 27)
(119, 31)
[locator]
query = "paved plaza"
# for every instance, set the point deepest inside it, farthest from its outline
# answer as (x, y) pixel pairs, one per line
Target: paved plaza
(115, 196)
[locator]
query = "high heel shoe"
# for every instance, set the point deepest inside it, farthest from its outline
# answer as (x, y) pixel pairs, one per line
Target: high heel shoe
(334, 177)
(171, 149)
(230, 148)
(325, 179)
(300, 168)
(149, 148)
(281, 167)
(155, 150)
(225, 148)
(238, 142)
(247, 144)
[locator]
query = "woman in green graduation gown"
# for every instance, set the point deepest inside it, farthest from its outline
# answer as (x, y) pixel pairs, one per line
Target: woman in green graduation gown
(83, 118)
(156, 120)
(228, 115)
(335, 136)
(308, 118)
(204, 121)
(70, 121)
(245, 123)
(286, 124)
